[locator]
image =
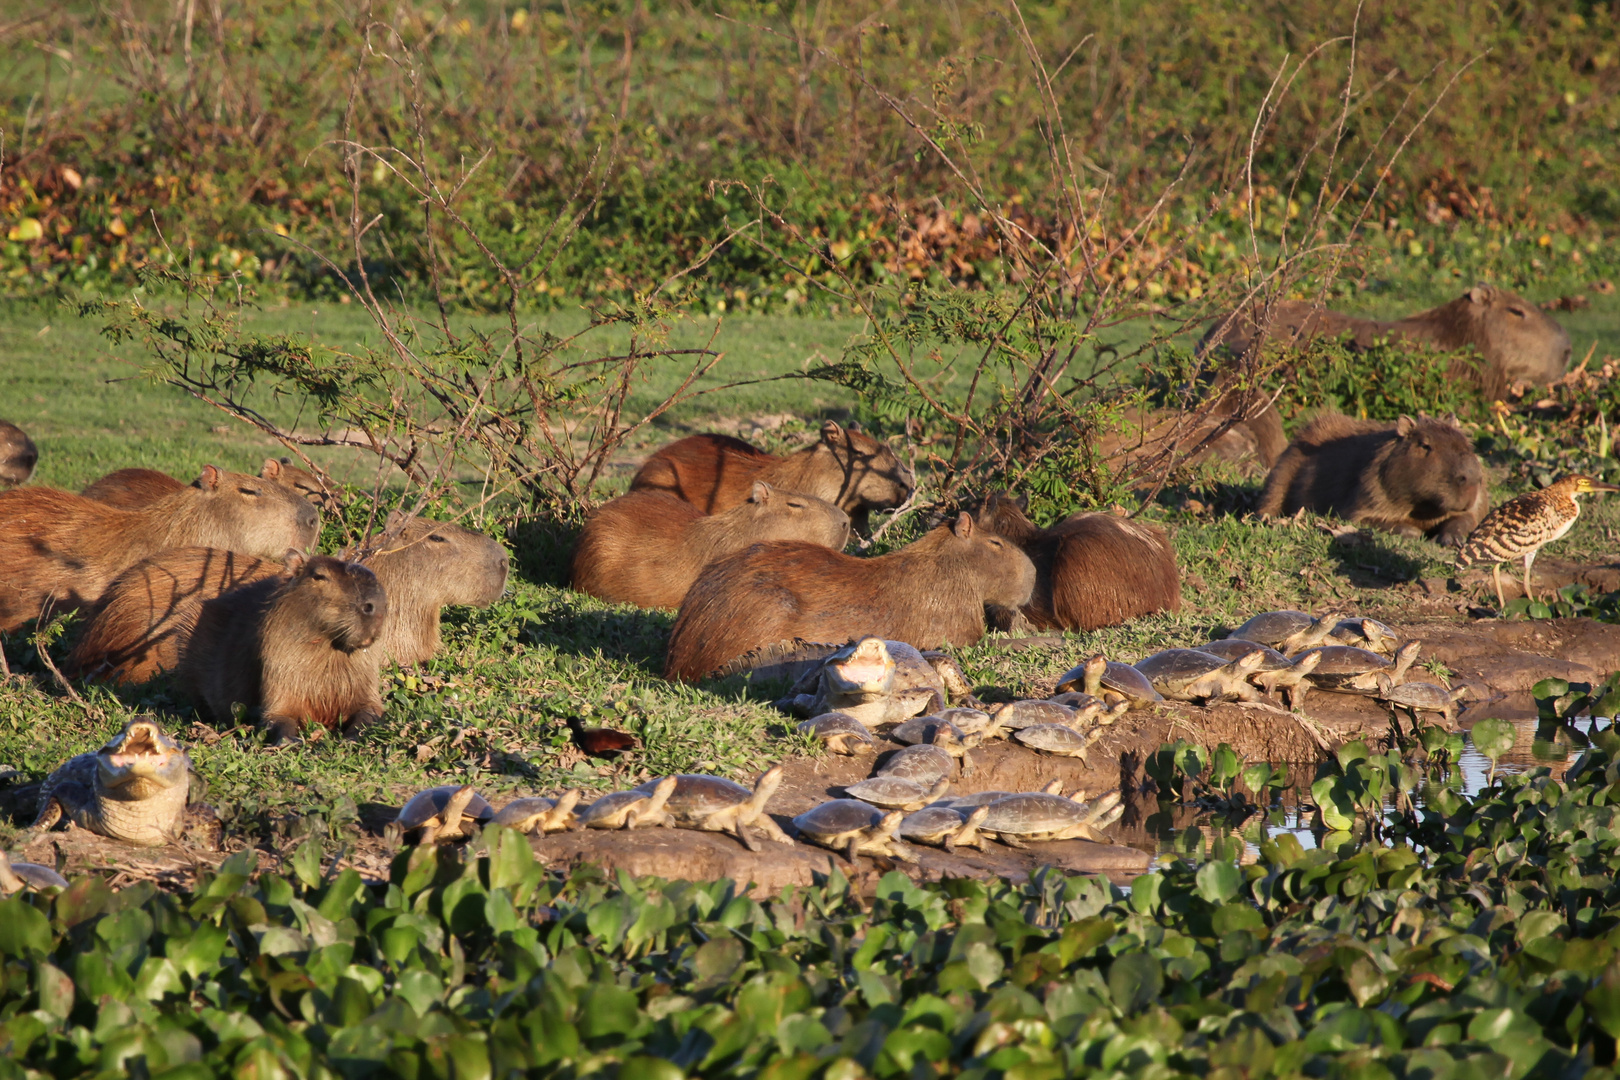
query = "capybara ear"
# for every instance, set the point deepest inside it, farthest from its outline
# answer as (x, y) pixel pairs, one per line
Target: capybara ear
(395, 523)
(963, 526)
(271, 470)
(1481, 294)
(294, 560)
(211, 478)
(761, 493)
(1404, 426)
(831, 433)
(1022, 501)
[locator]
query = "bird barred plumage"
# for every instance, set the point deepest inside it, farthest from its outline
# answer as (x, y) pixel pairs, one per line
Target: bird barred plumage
(1523, 525)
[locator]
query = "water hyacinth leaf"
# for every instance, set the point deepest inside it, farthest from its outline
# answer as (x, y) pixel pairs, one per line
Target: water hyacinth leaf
(55, 990)
(306, 863)
(1218, 881)
(84, 898)
(1145, 893)
(1191, 758)
(1134, 980)
(24, 929)
(1333, 803)
(642, 1067)
(1224, 767)
(1350, 753)
(1257, 776)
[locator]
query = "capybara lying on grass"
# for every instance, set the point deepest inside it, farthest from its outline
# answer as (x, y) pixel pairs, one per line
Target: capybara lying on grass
(142, 624)
(292, 649)
(131, 489)
(646, 548)
(18, 455)
(1091, 570)
(849, 469)
(1412, 478)
(61, 550)
(930, 593)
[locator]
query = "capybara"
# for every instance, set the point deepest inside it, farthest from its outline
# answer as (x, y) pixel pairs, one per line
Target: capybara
(132, 489)
(1412, 478)
(929, 593)
(1091, 570)
(142, 624)
(850, 469)
(61, 550)
(646, 548)
(292, 649)
(18, 455)
(1516, 340)
(1156, 439)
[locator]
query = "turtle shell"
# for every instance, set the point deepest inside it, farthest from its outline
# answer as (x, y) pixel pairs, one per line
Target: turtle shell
(967, 721)
(966, 803)
(1419, 695)
(931, 824)
(1017, 715)
(1230, 649)
(1122, 679)
(924, 763)
(1033, 812)
(1270, 628)
(836, 817)
(424, 806)
(1342, 663)
(697, 795)
(1175, 668)
(608, 805)
(829, 724)
(889, 792)
(1074, 699)
(37, 877)
(1053, 738)
(522, 809)
(920, 729)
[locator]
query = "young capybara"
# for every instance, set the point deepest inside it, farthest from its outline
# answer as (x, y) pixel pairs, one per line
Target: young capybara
(142, 624)
(18, 455)
(1412, 478)
(132, 489)
(1091, 570)
(61, 550)
(1516, 340)
(293, 649)
(927, 594)
(849, 469)
(646, 548)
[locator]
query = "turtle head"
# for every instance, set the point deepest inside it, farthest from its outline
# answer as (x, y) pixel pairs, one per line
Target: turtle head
(1306, 662)
(1096, 667)
(890, 823)
(1053, 787)
(141, 761)
(1249, 661)
(766, 786)
(1405, 657)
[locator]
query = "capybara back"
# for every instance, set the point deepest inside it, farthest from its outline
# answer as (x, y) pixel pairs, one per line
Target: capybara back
(18, 455)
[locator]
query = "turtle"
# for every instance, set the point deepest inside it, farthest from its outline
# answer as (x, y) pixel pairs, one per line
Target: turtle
(924, 763)
(876, 681)
(629, 809)
(1015, 715)
(840, 731)
(850, 826)
(1051, 817)
(921, 729)
(1288, 631)
(1191, 674)
(985, 798)
(1074, 699)
(945, 827)
(446, 812)
(1369, 634)
(895, 793)
(1111, 681)
(1059, 739)
(135, 788)
(715, 804)
(15, 876)
(967, 721)
(1418, 697)
(1349, 670)
(540, 815)
(1275, 671)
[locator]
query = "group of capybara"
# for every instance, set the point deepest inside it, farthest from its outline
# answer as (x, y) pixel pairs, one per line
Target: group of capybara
(212, 581)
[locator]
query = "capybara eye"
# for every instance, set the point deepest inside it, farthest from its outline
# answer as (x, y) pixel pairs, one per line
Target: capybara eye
(247, 491)
(437, 539)
(1516, 311)
(368, 608)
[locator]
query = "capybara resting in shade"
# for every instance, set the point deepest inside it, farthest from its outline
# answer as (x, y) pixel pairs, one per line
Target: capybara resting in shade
(148, 614)
(131, 489)
(929, 593)
(292, 649)
(1091, 570)
(1516, 340)
(1412, 478)
(849, 469)
(646, 548)
(18, 455)
(61, 550)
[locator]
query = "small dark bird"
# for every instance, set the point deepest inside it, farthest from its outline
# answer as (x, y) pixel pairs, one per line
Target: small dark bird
(601, 742)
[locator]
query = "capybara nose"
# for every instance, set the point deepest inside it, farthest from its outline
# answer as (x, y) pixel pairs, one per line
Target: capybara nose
(308, 516)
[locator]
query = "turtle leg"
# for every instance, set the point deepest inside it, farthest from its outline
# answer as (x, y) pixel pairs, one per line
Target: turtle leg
(430, 833)
(772, 830)
(1013, 842)
(902, 851)
(745, 836)
(853, 848)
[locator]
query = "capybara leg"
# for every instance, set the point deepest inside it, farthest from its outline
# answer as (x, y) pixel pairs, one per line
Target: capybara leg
(1454, 532)
(282, 729)
(359, 722)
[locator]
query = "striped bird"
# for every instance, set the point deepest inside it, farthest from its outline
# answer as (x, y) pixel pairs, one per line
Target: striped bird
(1524, 525)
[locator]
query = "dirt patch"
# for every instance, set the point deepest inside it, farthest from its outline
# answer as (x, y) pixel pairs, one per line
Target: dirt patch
(1496, 657)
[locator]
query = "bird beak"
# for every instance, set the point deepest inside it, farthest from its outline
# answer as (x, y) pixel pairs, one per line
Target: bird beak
(1599, 486)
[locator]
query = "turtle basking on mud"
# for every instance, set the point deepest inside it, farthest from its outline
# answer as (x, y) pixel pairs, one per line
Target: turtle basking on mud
(1018, 818)
(925, 762)
(841, 732)
(1287, 631)
(896, 793)
(1369, 634)
(1111, 681)
(1058, 739)
(715, 804)
(446, 812)
(876, 681)
(1275, 671)
(540, 815)
(1016, 715)
(1346, 669)
(850, 827)
(16, 876)
(628, 809)
(921, 729)
(1419, 697)
(133, 789)
(1195, 675)
(943, 826)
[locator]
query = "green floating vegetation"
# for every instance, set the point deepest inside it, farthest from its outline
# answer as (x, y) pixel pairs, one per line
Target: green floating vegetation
(1480, 943)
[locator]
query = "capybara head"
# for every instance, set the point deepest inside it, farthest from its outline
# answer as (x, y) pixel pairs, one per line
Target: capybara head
(997, 565)
(18, 455)
(1432, 465)
(872, 477)
(773, 514)
(1003, 514)
(437, 563)
(340, 601)
(250, 514)
(304, 483)
(1517, 339)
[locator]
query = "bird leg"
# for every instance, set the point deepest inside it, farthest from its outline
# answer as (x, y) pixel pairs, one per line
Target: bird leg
(1496, 576)
(1529, 558)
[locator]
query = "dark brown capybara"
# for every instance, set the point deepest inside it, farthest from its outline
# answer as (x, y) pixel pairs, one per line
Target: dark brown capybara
(59, 550)
(292, 649)
(1157, 439)
(131, 489)
(1517, 341)
(18, 455)
(646, 548)
(142, 624)
(1091, 570)
(930, 593)
(1412, 478)
(847, 468)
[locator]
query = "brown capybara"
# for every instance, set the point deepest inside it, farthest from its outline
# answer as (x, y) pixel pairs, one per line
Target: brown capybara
(1516, 340)
(646, 548)
(18, 455)
(292, 649)
(59, 550)
(930, 593)
(1091, 570)
(132, 489)
(1412, 478)
(849, 469)
(1158, 439)
(142, 624)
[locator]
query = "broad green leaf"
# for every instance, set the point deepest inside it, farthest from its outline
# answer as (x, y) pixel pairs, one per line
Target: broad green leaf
(1134, 980)
(1493, 737)
(24, 930)
(1218, 881)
